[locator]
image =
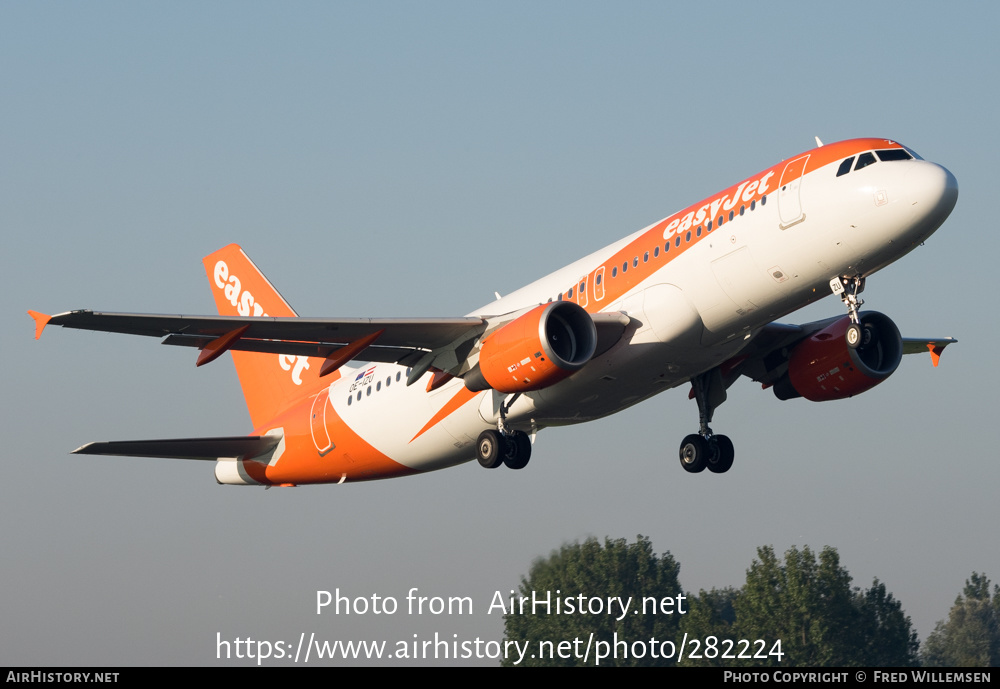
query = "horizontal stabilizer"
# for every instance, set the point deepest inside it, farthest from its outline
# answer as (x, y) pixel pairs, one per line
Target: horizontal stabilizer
(185, 448)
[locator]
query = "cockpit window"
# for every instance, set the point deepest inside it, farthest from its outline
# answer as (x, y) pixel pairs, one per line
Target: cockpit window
(893, 154)
(845, 166)
(864, 160)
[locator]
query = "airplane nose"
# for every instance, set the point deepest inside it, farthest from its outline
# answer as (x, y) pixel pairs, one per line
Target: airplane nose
(933, 194)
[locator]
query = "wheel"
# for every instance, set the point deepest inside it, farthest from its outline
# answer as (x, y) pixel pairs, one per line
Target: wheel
(853, 336)
(694, 453)
(723, 458)
(518, 450)
(489, 449)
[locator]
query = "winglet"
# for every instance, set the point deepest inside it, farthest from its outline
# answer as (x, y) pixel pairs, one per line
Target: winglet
(935, 350)
(41, 320)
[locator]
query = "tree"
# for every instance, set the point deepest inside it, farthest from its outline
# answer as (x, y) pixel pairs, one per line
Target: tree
(803, 609)
(971, 635)
(820, 619)
(710, 614)
(591, 573)
(885, 634)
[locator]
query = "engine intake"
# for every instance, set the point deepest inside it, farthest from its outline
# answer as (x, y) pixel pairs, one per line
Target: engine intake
(824, 367)
(535, 350)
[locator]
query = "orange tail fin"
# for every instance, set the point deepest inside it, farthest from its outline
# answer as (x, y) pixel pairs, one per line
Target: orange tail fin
(271, 382)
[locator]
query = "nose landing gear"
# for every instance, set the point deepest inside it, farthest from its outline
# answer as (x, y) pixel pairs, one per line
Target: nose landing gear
(849, 288)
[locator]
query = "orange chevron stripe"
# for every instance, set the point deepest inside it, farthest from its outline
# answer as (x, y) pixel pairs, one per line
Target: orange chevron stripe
(461, 397)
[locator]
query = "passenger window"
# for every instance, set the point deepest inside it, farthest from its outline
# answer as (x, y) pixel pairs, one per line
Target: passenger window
(845, 167)
(635, 262)
(864, 160)
(645, 257)
(656, 251)
(614, 272)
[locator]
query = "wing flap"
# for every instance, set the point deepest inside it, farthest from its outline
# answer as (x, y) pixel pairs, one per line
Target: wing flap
(375, 353)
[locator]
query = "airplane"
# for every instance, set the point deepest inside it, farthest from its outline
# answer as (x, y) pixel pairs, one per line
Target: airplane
(693, 298)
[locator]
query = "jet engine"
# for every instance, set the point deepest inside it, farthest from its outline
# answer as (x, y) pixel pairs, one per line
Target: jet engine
(535, 350)
(825, 367)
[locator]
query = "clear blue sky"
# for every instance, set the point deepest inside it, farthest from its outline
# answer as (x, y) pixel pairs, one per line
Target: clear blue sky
(395, 160)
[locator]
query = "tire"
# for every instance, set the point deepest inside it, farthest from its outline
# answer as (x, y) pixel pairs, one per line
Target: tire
(694, 453)
(490, 449)
(518, 450)
(854, 336)
(724, 457)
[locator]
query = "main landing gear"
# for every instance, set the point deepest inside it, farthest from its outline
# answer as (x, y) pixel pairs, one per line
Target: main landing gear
(495, 448)
(503, 446)
(706, 449)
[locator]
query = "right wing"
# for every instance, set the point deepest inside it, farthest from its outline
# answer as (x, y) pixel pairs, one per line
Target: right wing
(416, 342)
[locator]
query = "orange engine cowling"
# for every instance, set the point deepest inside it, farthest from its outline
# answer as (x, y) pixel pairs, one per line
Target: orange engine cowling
(823, 367)
(535, 350)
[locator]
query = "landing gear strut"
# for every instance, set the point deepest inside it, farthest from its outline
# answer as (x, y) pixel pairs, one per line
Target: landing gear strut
(705, 449)
(849, 288)
(504, 445)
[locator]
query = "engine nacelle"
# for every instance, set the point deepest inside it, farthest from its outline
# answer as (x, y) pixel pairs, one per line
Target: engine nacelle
(823, 367)
(535, 350)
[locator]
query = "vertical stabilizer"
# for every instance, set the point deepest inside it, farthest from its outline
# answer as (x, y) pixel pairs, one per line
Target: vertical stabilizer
(271, 382)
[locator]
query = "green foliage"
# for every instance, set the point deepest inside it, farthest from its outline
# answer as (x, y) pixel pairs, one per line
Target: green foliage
(821, 620)
(804, 601)
(885, 635)
(614, 568)
(971, 635)
(711, 614)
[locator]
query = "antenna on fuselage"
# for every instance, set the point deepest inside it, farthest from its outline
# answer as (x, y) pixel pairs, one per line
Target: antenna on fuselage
(819, 143)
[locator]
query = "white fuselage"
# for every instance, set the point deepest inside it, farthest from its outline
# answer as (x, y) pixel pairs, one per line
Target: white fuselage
(698, 303)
